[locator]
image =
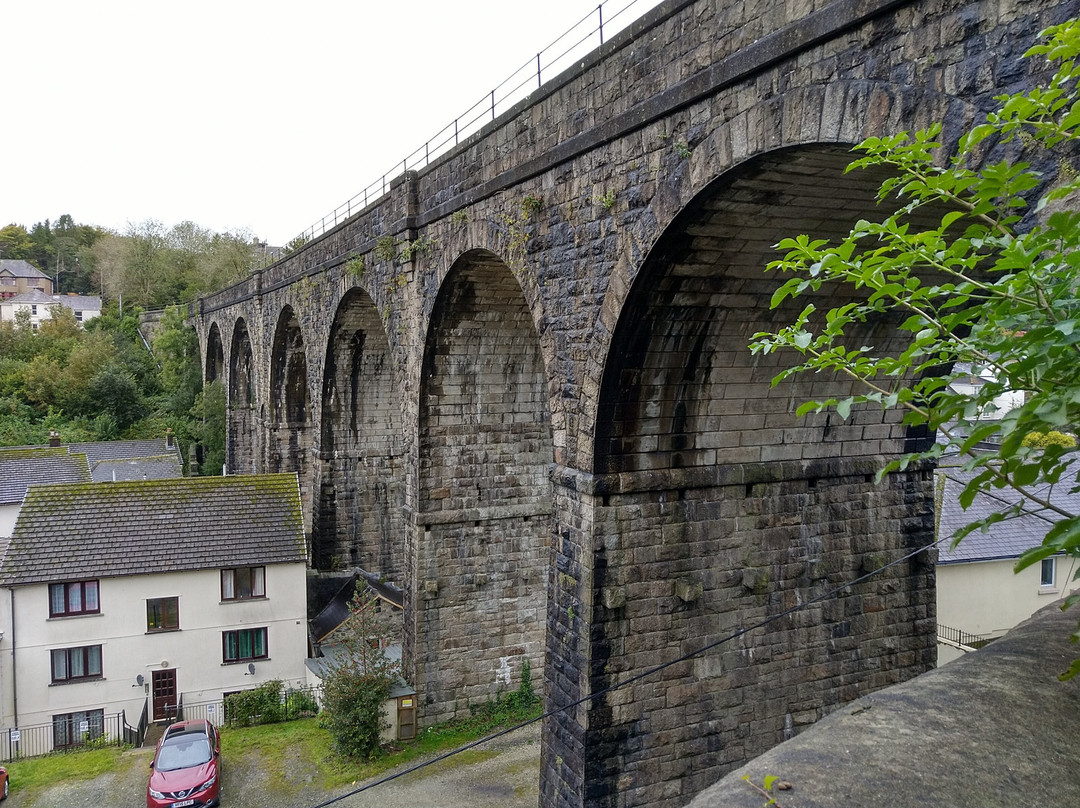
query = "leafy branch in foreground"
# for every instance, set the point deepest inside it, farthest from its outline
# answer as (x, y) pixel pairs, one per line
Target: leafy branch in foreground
(985, 292)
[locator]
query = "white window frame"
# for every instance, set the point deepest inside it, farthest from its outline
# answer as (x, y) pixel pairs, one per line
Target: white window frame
(1048, 565)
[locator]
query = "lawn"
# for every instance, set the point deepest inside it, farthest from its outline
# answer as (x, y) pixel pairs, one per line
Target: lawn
(32, 774)
(288, 757)
(312, 759)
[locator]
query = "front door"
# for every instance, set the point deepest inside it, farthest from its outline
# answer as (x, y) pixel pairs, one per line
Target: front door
(163, 690)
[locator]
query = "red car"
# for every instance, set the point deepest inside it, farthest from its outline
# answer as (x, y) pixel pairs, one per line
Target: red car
(185, 767)
(6, 781)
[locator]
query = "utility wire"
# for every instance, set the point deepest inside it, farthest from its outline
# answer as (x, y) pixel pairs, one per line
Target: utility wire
(636, 677)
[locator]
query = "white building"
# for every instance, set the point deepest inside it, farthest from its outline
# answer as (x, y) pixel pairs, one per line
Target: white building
(979, 597)
(125, 596)
(40, 305)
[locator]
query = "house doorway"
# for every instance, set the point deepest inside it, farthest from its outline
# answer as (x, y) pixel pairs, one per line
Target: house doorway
(163, 693)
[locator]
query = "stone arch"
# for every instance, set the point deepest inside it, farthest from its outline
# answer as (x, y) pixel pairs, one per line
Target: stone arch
(215, 355)
(727, 508)
(484, 490)
(290, 406)
(359, 519)
(242, 455)
(838, 114)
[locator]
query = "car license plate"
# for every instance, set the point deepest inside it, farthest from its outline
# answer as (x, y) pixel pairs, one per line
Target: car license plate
(182, 803)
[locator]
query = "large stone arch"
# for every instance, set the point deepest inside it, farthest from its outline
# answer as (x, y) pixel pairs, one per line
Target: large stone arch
(290, 406)
(215, 355)
(721, 508)
(243, 454)
(359, 520)
(483, 526)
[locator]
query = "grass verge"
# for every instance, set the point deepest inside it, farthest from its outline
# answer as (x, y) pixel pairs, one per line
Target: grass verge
(299, 754)
(32, 775)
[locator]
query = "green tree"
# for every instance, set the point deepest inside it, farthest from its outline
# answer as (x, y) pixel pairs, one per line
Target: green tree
(209, 427)
(359, 681)
(15, 242)
(176, 348)
(993, 287)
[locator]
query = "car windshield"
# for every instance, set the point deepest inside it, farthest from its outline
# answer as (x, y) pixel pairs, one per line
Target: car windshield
(183, 753)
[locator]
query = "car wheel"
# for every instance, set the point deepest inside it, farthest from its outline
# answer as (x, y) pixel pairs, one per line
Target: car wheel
(7, 786)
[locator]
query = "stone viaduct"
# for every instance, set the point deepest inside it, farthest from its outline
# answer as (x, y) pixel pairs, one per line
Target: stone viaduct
(518, 386)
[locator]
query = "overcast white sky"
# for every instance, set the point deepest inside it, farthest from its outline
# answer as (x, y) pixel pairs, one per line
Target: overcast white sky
(258, 115)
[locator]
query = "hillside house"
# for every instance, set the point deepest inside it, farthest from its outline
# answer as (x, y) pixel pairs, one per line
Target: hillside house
(40, 305)
(17, 277)
(150, 593)
(979, 597)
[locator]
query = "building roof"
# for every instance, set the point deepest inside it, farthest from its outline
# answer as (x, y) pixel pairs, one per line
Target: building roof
(97, 451)
(21, 269)
(338, 610)
(153, 458)
(137, 468)
(1003, 540)
(23, 467)
(102, 530)
(35, 296)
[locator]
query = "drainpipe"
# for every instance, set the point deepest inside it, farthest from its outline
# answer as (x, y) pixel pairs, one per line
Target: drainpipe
(14, 675)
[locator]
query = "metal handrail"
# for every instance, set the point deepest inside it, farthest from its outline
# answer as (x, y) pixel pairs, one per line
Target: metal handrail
(487, 109)
(962, 638)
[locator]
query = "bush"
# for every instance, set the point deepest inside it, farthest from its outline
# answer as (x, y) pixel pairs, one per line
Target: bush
(259, 706)
(299, 703)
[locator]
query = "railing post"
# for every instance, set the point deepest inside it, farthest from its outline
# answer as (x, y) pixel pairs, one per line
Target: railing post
(600, 11)
(539, 83)
(492, 105)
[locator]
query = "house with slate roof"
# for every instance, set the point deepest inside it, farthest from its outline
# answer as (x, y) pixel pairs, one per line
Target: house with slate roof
(979, 597)
(18, 277)
(97, 461)
(149, 593)
(39, 305)
(22, 467)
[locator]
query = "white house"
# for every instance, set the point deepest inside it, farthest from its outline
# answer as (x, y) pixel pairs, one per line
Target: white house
(979, 597)
(39, 305)
(120, 596)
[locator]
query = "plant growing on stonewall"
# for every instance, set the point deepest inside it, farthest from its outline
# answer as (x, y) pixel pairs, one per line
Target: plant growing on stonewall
(994, 290)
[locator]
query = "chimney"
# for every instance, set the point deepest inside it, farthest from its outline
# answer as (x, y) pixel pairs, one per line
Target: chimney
(54, 438)
(168, 438)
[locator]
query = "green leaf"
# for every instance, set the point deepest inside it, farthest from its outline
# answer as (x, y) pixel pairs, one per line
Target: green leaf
(1074, 669)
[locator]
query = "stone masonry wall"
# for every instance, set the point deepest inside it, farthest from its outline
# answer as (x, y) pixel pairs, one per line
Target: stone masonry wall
(587, 284)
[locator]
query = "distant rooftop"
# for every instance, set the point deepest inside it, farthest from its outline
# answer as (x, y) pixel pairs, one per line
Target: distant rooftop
(109, 460)
(36, 296)
(1006, 539)
(20, 269)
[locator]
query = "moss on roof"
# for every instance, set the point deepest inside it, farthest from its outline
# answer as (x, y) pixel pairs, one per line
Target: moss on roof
(145, 526)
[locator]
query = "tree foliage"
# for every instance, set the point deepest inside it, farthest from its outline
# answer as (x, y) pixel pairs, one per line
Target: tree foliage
(152, 266)
(992, 290)
(359, 681)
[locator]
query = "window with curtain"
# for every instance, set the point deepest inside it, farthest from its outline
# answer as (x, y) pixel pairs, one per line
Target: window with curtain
(244, 644)
(76, 597)
(241, 583)
(70, 664)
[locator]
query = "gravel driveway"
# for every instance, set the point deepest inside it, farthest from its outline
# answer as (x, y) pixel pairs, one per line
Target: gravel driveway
(502, 774)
